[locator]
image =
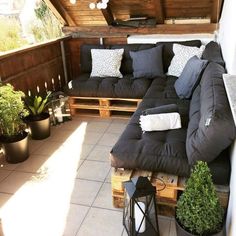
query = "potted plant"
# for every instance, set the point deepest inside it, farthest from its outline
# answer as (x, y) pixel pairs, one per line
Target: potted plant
(198, 209)
(13, 137)
(38, 120)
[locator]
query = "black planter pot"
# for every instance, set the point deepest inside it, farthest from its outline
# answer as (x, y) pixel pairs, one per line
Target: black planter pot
(16, 151)
(39, 126)
(182, 232)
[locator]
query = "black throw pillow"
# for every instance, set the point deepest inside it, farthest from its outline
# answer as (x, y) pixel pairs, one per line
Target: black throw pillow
(147, 63)
(190, 76)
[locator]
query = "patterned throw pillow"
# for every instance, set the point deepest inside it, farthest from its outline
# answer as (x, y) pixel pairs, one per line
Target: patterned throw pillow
(106, 62)
(181, 57)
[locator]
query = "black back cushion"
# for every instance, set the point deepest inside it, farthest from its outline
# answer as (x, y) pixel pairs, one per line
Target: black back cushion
(168, 53)
(211, 127)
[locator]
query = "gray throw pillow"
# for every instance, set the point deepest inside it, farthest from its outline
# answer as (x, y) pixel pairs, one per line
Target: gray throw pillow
(189, 78)
(147, 63)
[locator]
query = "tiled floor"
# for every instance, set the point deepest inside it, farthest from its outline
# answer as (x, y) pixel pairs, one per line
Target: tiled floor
(64, 187)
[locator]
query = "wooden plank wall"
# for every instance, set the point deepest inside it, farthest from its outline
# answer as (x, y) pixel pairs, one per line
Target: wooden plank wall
(28, 68)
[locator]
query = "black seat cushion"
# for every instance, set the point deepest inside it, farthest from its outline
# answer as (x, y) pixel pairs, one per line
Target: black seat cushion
(110, 87)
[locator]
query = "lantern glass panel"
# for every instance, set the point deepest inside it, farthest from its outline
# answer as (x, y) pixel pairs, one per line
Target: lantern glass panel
(140, 216)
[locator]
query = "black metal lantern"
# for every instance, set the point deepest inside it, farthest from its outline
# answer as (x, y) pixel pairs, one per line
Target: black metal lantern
(140, 209)
(59, 108)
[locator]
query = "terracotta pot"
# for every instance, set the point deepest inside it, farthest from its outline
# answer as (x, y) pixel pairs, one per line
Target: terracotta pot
(182, 232)
(39, 126)
(16, 151)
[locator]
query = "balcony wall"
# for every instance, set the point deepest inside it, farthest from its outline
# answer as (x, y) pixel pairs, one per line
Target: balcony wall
(30, 67)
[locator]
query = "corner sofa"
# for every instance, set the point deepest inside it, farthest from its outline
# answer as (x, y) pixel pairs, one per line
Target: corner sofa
(207, 125)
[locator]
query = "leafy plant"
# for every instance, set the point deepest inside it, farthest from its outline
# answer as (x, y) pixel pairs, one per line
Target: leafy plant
(11, 111)
(10, 37)
(47, 27)
(198, 208)
(37, 104)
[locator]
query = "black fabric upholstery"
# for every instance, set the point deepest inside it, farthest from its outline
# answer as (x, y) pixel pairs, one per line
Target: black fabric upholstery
(126, 64)
(213, 53)
(147, 63)
(211, 127)
(86, 58)
(125, 87)
(161, 109)
(168, 50)
(164, 151)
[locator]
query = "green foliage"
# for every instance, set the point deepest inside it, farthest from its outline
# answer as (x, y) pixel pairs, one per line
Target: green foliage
(36, 104)
(11, 111)
(48, 26)
(198, 208)
(10, 36)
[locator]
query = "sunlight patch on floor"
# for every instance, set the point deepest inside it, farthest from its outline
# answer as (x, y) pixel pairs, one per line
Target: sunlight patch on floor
(40, 206)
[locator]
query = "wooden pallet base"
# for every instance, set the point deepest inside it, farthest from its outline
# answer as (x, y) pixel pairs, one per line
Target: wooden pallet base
(105, 107)
(166, 194)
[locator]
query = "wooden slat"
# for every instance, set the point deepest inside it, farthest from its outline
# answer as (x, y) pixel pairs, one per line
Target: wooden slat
(107, 13)
(159, 11)
(216, 11)
(108, 31)
(60, 12)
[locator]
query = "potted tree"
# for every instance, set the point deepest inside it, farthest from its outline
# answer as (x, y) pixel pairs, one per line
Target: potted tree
(38, 120)
(198, 209)
(13, 137)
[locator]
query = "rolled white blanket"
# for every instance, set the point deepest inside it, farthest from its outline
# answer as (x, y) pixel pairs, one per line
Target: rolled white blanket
(160, 122)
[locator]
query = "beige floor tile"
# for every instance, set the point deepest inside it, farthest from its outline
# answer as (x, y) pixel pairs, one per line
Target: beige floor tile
(108, 178)
(104, 198)
(33, 164)
(108, 139)
(71, 125)
(34, 145)
(97, 126)
(6, 166)
(100, 153)
(101, 222)
(48, 148)
(4, 173)
(116, 128)
(164, 226)
(60, 135)
(74, 219)
(92, 137)
(93, 170)
(173, 228)
(85, 191)
(79, 150)
(4, 197)
(14, 181)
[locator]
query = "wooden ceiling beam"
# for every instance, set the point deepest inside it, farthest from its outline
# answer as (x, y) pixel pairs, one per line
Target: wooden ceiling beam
(159, 9)
(60, 12)
(107, 13)
(109, 31)
(216, 10)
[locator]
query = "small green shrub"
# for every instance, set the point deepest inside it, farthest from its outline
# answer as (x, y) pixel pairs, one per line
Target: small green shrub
(11, 111)
(198, 208)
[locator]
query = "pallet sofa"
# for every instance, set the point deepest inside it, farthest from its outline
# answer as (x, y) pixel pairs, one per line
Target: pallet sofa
(207, 125)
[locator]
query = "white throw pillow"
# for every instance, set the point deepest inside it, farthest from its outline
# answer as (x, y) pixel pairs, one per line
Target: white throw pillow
(160, 122)
(181, 57)
(106, 62)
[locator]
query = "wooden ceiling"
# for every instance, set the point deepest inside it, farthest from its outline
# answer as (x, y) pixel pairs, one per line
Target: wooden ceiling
(165, 12)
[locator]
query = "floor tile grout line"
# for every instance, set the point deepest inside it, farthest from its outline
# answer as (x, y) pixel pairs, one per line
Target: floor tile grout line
(88, 210)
